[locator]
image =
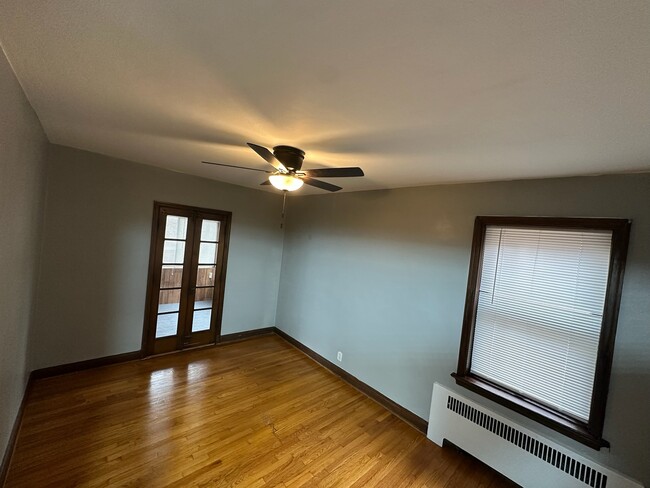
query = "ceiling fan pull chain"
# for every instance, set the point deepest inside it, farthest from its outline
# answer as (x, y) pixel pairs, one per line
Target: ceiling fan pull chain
(284, 206)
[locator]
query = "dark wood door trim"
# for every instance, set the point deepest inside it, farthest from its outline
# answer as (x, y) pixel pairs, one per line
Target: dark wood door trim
(220, 280)
(153, 278)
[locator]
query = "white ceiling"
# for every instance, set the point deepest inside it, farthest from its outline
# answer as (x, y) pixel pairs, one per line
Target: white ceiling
(415, 92)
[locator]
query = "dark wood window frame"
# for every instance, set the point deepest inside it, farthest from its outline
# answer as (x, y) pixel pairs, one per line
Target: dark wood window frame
(590, 432)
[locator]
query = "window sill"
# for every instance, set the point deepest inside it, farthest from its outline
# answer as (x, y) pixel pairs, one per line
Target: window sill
(568, 426)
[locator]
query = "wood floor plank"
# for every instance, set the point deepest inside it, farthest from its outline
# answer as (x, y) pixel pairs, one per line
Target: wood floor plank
(256, 413)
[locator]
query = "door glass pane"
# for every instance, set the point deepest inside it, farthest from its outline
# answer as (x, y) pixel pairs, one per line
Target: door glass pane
(169, 301)
(166, 325)
(203, 298)
(209, 230)
(201, 320)
(205, 275)
(171, 276)
(207, 253)
(175, 227)
(173, 252)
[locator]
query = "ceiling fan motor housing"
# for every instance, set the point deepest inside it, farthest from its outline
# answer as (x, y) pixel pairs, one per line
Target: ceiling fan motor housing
(290, 157)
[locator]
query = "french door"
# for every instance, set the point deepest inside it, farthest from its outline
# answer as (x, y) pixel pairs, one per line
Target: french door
(187, 270)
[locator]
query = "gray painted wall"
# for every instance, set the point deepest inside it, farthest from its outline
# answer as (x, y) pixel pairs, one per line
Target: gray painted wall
(381, 276)
(22, 159)
(96, 238)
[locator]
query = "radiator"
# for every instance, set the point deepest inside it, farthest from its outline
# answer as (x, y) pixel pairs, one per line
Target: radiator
(525, 457)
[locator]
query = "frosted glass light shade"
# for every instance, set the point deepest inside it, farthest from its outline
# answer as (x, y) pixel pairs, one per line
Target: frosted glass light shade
(285, 182)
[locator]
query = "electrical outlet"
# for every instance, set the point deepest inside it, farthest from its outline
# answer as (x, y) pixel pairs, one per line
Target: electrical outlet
(339, 356)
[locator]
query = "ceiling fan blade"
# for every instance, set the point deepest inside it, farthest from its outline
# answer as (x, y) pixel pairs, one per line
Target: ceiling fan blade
(268, 157)
(335, 172)
(321, 184)
(265, 182)
(238, 167)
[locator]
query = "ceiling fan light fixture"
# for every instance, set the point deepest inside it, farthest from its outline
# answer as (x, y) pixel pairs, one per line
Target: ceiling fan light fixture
(285, 182)
(287, 161)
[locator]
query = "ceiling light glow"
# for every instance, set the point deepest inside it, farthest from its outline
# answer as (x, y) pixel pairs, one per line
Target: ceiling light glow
(285, 182)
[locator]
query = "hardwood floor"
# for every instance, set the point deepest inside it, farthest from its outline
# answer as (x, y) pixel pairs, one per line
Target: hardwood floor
(257, 413)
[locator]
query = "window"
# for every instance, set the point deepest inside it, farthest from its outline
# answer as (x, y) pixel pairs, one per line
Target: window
(540, 318)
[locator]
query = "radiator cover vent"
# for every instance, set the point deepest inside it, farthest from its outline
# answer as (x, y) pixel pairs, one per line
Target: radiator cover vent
(543, 451)
(526, 457)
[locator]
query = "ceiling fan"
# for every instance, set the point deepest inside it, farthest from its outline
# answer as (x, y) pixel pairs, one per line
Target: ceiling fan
(288, 174)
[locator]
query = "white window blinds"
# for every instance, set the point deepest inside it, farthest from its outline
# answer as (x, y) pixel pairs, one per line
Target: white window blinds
(539, 315)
